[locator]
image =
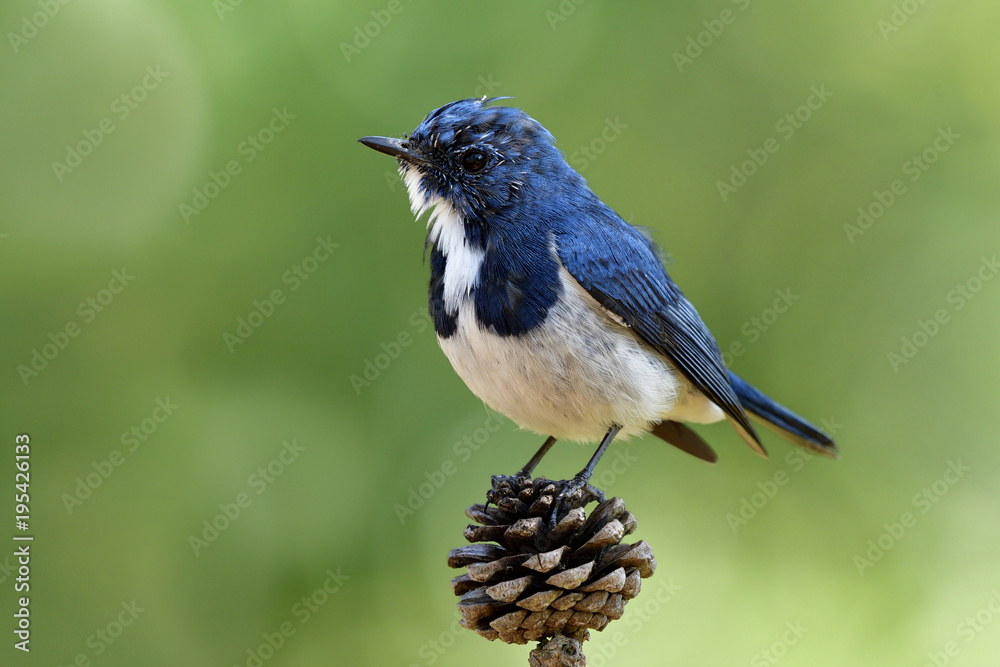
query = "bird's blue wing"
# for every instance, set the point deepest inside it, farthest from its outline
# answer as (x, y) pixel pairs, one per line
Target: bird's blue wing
(620, 268)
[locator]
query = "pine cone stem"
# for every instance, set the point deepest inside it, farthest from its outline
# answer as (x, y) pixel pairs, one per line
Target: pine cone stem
(560, 651)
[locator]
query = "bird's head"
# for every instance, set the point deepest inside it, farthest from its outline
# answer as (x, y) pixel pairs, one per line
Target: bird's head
(483, 162)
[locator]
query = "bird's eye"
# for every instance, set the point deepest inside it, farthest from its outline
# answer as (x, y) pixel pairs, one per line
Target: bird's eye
(474, 161)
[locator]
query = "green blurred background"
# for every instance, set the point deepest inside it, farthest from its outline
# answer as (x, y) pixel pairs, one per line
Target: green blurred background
(215, 163)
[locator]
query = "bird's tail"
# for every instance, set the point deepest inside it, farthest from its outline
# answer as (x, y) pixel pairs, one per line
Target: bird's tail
(684, 439)
(781, 420)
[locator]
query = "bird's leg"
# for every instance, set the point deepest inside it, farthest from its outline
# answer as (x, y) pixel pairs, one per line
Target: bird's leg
(529, 467)
(580, 484)
(582, 479)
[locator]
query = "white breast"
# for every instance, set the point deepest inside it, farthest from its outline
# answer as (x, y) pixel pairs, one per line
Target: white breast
(575, 375)
(448, 233)
(461, 271)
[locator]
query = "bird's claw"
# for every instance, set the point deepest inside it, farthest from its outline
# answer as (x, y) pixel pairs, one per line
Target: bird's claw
(576, 492)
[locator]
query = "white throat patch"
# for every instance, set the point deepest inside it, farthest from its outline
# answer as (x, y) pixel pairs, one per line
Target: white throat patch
(447, 231)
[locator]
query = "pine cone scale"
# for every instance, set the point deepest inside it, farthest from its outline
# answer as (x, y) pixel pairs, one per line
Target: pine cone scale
(510, 590)
(539, 601)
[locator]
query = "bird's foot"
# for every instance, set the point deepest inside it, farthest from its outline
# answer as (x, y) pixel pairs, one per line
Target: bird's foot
(576, 492)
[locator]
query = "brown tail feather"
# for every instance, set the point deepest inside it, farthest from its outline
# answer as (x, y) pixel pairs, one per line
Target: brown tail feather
(684, 439)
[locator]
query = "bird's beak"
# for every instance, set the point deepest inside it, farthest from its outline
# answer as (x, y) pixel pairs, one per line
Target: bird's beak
(397, 148)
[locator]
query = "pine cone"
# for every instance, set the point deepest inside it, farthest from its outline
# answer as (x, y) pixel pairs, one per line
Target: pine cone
(537, 580)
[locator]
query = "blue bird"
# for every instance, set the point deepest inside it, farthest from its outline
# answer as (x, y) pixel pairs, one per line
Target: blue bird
(554, 310)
